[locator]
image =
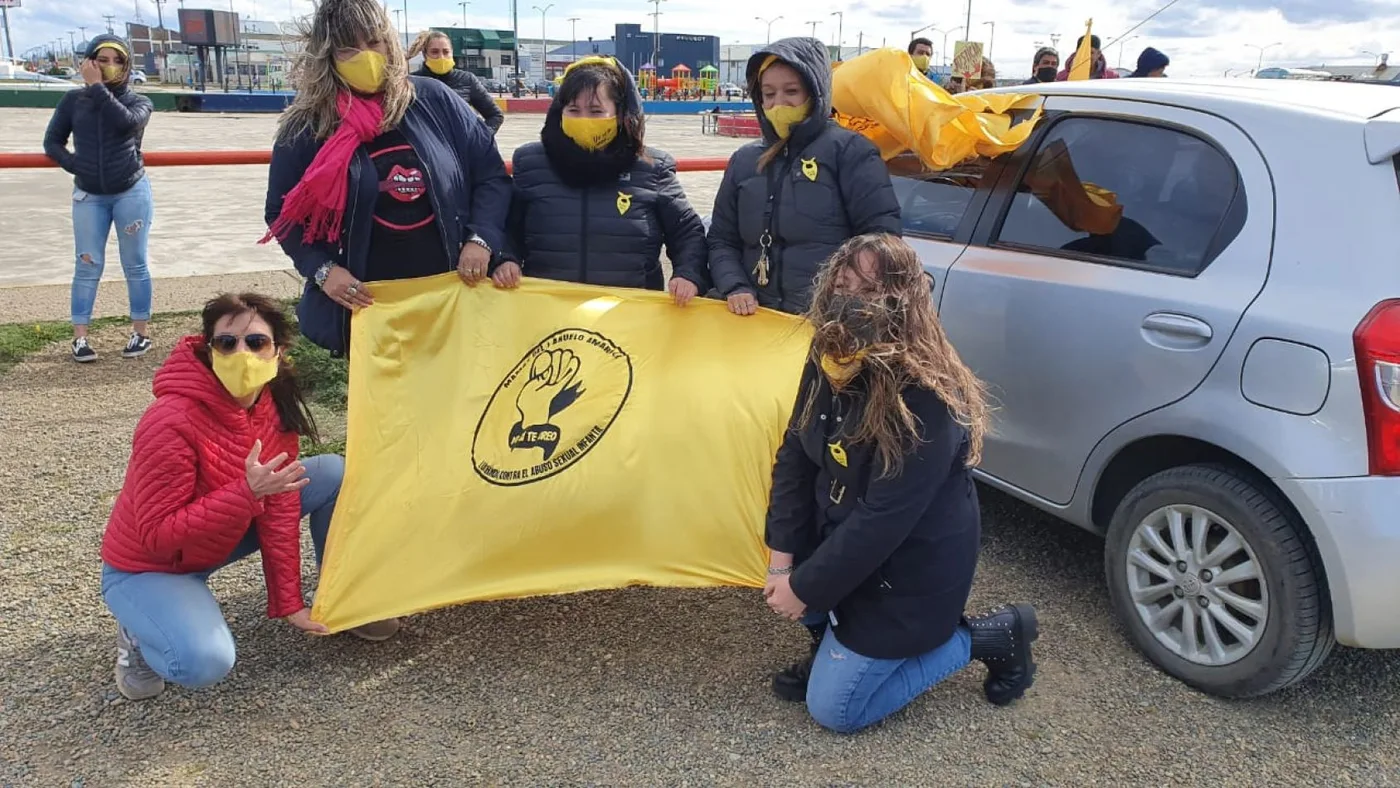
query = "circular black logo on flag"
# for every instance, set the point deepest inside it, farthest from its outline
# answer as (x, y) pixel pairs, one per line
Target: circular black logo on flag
(552, 409)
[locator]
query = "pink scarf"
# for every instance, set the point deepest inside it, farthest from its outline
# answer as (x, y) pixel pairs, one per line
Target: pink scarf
(317, 202)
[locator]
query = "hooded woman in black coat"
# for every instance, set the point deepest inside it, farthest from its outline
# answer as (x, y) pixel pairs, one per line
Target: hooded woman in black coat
(592, 204)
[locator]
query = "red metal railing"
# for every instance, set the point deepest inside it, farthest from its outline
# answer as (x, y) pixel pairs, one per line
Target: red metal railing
(202, 158)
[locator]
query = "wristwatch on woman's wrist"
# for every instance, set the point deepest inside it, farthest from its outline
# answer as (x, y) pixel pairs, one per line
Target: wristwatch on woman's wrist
(321, 273)
(479, 241)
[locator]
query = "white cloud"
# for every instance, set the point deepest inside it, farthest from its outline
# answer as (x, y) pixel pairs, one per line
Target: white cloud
(1200, 42)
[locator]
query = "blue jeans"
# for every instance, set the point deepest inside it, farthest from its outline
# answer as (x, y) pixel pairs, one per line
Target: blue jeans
(848, 691)
(93, 217)
(175, 620)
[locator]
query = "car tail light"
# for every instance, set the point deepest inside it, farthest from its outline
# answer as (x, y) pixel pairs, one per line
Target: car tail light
(1377, 341)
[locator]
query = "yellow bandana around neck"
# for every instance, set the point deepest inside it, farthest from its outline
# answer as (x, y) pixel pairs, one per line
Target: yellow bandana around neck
(840, 371)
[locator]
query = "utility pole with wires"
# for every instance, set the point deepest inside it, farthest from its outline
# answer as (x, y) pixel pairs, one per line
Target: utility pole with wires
(109, 19)
(165, 50)
(656, 32)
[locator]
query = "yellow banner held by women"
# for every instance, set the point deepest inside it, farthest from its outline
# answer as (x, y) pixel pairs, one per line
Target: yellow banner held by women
(552, 439)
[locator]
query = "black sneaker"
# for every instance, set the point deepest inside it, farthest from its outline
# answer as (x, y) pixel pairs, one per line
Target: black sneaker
(136, 346)
(82, 351)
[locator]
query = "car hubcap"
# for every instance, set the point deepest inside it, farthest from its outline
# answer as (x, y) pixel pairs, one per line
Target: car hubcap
(1197, 585)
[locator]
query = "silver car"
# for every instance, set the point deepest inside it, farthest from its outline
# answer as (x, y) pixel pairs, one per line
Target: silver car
(1197, 355)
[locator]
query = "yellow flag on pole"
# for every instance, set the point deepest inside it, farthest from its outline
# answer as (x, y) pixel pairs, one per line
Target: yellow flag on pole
(1084, 55)
(552, 439)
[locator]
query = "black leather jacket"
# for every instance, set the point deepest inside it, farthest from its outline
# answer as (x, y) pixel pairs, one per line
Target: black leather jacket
(466, 85)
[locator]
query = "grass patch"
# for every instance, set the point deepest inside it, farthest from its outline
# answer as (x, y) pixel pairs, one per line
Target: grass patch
(324, 379)
(18, 340)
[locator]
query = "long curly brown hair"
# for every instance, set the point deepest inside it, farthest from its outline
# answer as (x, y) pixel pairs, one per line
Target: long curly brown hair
(342, 24)
(904, 346)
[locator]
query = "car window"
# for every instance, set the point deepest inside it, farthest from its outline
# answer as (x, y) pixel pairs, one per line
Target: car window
(1130, 192)
(933, 202)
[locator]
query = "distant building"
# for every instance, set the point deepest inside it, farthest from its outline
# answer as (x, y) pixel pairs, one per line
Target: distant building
(150, 46)
(634, 48)
(486, 53)
(734, 59)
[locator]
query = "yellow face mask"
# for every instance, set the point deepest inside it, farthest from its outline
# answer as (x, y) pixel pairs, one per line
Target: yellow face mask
(112, 74)
(364, 73)
(784, 117)
(591, 134)
(440, 65)
(243, 373)
(840, 370)
(921, 62)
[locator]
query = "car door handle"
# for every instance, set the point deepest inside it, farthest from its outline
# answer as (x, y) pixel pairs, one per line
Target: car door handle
(1176, 332)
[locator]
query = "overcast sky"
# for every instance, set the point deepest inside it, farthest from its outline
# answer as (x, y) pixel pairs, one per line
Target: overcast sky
(1202, 39)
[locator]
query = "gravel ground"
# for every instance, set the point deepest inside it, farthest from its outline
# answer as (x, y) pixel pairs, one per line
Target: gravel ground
(637, 687)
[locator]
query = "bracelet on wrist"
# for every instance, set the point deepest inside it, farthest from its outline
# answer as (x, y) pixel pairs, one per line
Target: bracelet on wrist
(780, 570)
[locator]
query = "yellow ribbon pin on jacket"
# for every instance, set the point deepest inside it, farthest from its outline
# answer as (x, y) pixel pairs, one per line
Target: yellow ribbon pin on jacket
(624, 201)
(838, 453)
(809, 168)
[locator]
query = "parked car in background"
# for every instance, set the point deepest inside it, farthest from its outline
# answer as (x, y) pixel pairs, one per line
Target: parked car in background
(731, 90)
(138, 77)
(1210, 380)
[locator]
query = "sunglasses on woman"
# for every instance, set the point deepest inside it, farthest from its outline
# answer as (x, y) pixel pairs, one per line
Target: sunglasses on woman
(228, 343)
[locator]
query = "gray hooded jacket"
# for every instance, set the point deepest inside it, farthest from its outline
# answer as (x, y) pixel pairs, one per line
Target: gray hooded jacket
(829, 186)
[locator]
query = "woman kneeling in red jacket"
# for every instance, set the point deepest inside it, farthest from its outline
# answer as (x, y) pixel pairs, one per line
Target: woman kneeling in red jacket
(214, 478)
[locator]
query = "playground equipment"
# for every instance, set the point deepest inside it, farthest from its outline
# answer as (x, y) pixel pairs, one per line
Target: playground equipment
(709, 79)
(646, 79)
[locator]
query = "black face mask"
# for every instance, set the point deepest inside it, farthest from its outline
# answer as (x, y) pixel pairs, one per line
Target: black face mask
(1045, 74)
(854, 314)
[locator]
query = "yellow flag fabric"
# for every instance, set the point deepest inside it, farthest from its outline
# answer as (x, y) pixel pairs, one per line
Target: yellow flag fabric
(1084, 56)
(552, 439)
(883, 95)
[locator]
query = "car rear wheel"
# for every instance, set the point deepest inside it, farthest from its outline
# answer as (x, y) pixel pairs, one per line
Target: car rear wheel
(1216, 583)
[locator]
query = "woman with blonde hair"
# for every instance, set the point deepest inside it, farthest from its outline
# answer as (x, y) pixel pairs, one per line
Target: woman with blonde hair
(438, 63)
(788, 200)
(376, 174)
(874, 524)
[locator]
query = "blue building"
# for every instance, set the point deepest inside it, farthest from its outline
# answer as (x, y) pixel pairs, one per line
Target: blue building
(634, 50)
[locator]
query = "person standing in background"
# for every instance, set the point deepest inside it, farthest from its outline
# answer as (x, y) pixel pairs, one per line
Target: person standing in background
(921, 50)
(106, 121)
(1097, 70)
(1151, 63)
(438, 63)
(1044, 67)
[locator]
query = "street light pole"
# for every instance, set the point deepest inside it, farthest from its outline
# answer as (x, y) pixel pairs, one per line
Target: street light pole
(840, 33)
(1121, 44)
(992, 39)
(814, 24)
(656, 32)
(464, 4)
(946, 33)
(544, 42)
(573, 38)
(769, 22)
(1262, 50)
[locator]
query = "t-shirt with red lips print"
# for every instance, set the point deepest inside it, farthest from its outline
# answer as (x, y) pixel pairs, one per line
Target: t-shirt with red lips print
(405, 241)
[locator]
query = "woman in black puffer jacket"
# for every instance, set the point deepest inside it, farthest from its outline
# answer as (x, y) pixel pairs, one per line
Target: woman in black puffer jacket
(105, 121)
(439, 64)
(592, 203)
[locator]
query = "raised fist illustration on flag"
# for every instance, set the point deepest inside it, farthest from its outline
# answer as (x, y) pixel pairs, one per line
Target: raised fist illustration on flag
(551, 387)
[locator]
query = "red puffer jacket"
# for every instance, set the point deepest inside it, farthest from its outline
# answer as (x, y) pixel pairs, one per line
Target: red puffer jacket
(186, 503)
